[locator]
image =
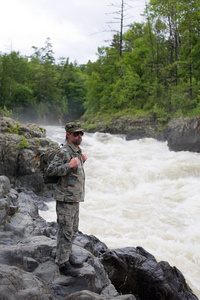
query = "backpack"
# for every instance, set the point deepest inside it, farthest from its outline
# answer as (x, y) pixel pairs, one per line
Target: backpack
(45, 160)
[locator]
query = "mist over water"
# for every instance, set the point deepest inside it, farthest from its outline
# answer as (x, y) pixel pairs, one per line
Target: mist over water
(138, 193)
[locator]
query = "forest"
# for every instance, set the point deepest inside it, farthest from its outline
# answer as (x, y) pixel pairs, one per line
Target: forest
(151, 67)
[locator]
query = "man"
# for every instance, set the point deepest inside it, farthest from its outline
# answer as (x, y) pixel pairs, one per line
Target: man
(70, 190)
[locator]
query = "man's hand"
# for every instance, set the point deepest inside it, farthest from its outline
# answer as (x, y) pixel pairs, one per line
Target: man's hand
(84, 157)
(74, 162)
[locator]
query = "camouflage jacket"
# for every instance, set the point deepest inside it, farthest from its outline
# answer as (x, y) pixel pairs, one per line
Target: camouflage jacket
(71, 182)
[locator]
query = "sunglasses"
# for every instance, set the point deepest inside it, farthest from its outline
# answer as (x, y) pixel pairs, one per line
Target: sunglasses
(75, 134)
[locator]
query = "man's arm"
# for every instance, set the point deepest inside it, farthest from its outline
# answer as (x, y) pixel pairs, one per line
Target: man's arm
(60, 165)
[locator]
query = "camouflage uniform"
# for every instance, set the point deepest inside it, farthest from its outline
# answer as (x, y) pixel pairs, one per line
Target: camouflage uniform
(70, 190)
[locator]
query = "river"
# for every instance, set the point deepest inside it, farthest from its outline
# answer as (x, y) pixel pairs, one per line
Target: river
(138, 193)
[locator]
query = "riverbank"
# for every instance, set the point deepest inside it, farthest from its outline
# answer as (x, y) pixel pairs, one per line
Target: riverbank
(181, 134)
(133, 126)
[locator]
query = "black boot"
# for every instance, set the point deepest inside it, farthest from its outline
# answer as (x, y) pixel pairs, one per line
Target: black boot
(68, 270)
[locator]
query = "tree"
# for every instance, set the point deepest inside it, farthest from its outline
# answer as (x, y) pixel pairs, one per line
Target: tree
(45, 84)
(15, 92)
(179, 38)
(120, 16)
(73, 83)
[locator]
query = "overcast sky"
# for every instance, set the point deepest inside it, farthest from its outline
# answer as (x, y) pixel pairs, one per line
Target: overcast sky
(76, 27)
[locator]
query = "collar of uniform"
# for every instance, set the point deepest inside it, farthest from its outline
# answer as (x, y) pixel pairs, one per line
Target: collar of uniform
(74, 148)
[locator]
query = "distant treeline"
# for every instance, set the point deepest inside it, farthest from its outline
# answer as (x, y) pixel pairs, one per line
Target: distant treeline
(153, 67)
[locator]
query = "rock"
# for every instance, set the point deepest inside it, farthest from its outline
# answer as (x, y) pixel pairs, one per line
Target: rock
(26, 222)
(136, 127)
(87, 295)
(132, 126)
(8, 200)
(92, 277)
(20, 150)
(17, 284)
(37, 255)
(183, 134)
(8, 125)
(134, 270)
(4, 186)
(91, 243)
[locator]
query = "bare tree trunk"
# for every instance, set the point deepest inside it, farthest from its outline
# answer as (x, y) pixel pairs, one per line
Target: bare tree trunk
(121, 29)
(190, 61)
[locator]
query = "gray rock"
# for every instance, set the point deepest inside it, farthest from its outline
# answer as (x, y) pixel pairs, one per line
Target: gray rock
(134, 270)
(132, 126)
(183, 134)
(26, 222)
(8, 200)
(15, 284)
(4, 186)
(87, 295)
(8, 125)
(37, 255)
(20, 150)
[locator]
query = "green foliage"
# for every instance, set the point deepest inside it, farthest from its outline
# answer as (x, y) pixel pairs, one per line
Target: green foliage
(156, 72)
(39, 90)
(91, 121)
(94, 90)
(23, 144)
(15, 129)
(4, 112)
(160, 115)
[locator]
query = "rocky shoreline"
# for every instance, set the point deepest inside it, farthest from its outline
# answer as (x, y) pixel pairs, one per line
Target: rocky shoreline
(28, 242)
(181, 134)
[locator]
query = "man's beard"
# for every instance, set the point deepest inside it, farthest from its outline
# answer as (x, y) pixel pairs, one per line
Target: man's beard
(77, 141)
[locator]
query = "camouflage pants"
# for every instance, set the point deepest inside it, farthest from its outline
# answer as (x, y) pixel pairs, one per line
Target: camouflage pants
(67, 220)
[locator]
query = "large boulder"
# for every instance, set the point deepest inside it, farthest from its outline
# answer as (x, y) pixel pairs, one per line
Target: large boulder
(20, 149)
(183, 134)
(135, 127)
(135, 271)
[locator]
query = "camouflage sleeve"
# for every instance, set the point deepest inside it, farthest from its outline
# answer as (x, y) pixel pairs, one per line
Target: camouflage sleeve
(59, 165)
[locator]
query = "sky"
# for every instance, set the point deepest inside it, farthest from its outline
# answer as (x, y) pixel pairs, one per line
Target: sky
(76, 28)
